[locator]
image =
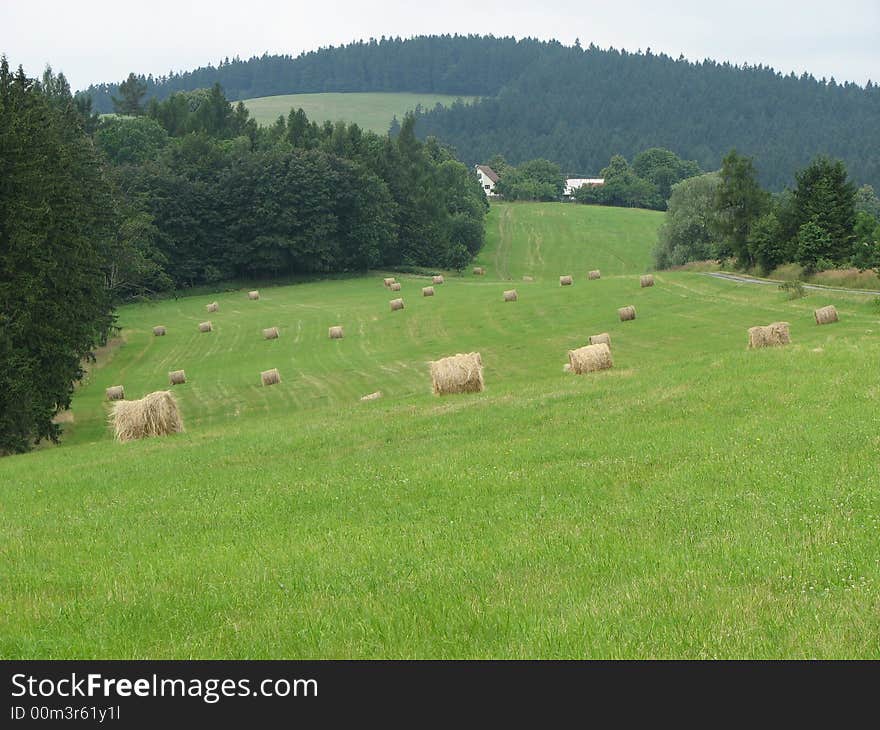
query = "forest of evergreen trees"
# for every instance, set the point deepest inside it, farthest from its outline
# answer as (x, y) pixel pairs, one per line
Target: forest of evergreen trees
(577, 106)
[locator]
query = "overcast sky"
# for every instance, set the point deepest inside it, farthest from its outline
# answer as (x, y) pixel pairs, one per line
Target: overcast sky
(102, 40)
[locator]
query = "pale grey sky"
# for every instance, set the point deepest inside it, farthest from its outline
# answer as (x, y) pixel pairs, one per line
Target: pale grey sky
(102, 40)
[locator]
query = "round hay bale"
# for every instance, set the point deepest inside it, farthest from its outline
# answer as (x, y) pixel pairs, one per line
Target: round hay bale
(528, 278)
(457, 374)
(270, 377)
(158, 331)
(600, 338)
(826, 315)
(771, 335)
(479, 271)
(177, 377)
(372, 396)
(156, 414)
(388, 281)
(595, 274)
(396, 304)
(335, 332)
(271, 333)
(590, 358)
(253, 295)
(510, 295)
(646, 280)
(437, 279)
(212, 307)
(565, 280)
(115, 392)
(206, 327)
(626, 313)
(395, 286)
(427, 291)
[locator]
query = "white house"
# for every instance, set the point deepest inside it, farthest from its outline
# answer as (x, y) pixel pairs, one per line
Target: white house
(488, 178)
(573, 183)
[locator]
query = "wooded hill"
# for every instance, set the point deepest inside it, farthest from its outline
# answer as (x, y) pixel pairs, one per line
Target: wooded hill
(579, 105)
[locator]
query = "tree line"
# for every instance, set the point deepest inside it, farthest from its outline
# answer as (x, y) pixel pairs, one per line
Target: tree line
(823, 221)
(184, 192)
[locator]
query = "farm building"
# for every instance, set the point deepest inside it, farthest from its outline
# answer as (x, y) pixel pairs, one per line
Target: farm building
(573, 183)
(488, 178)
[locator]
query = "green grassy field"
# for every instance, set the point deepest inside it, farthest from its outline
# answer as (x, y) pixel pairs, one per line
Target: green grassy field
(697, 500)
(373, 111)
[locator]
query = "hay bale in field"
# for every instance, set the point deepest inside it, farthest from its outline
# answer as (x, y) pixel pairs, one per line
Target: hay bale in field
(270, 377)
(566, 368)
(335, 332)
(206, 327)
(158, 331)
(595, 274)
(528, 278)
(115, 392)
(457, 374)
(771, 335)
(479, 270)
(388, 281)
(565, 280)
(826, 315)
(177, 377)
(437, 279)
(590, 358)
(212, 307)
(271, 333)
(253, 295)
(395, 286)
(427, 291)
(372, 396)
(626, 313)
(646, 280)
(510, 295)
(156, 414)
(600, 338)
(396, 304)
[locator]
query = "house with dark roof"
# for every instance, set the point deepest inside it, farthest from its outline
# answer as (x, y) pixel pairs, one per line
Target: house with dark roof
(488, 178)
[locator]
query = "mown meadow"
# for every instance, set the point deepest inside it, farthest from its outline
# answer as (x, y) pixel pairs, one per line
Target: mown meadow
(697, 500)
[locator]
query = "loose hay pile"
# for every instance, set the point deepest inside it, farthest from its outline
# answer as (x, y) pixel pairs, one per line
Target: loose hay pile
(595, 274)
(115, 392)
(396, 304)
(177, 377)
(427, 291)
(479, 270)
(335, 332)
(510, 295)
(270, 333)
(212, 307)
(565, 280)
(647, 280)
(159, 331)
(457, 374)
(372, 396)
(205, 327)
(388, 281)
(155, 414)
(438, 279)
(770, 336)
(589, 359)
(253, 295)
(600, 338)
(626, 313)
(270, 377)
(395, 286)
(826, 315)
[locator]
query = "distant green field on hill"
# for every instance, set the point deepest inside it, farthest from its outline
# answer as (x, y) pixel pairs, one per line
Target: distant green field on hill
(373, 111)
(697, 500)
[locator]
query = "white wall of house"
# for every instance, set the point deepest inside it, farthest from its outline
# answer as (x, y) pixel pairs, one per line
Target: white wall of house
(573, 183)
(486, 183)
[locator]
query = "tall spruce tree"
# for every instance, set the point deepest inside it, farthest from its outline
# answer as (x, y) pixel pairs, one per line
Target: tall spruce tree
(740, 202)
(55, 209)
